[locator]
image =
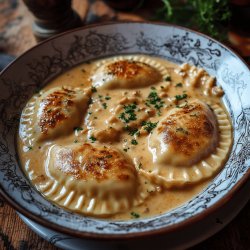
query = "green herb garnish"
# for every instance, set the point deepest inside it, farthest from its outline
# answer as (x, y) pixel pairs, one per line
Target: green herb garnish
(149, 126)
(129, 113)
(78, 129)
(180, 97)
(178, 84)
(92, 138)
(104, 105)
(168, 78)
(131, 131)
(134, 142)
(211, 17)
(155, 100)
(135, 215)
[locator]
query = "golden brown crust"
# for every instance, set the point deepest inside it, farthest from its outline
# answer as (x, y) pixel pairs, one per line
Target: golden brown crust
(197, 131)
(127, 74)
(54, 107)
(87, 162)
(127, 69)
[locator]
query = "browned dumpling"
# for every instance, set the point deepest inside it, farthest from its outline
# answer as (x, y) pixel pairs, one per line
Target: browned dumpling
(96, 180)
(128, 73)
(185, 135)
(190, 144)
(53, 113)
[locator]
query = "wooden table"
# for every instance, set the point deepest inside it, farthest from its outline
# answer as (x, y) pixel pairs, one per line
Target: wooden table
(15, 38)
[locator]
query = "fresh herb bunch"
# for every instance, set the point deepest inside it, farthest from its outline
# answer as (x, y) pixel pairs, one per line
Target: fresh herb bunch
(209, 16)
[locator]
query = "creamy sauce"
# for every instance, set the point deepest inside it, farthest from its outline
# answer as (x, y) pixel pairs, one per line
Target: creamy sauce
(124, 119)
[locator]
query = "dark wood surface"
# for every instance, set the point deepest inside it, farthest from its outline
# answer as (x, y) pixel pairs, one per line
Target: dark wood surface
(16, 37)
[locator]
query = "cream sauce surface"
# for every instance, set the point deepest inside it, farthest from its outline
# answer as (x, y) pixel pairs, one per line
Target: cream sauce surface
(124, 119)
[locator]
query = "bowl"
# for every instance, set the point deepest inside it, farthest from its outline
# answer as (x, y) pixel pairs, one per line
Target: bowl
(36, 67)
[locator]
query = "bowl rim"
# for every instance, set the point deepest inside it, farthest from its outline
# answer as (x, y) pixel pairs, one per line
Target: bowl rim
(168, 229)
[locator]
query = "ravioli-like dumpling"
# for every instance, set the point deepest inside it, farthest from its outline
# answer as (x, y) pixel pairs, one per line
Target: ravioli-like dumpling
(133, 72)
(185, 135)
(93, 180)
(53, 113)
(189, 144)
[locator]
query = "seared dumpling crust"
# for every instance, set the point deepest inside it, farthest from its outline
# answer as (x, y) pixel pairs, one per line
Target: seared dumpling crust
(93, 180)
(53, 113)
(186, 151)
(185, 135)
(132, 72)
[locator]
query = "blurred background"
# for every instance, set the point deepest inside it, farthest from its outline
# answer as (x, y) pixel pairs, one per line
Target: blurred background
(21, 21)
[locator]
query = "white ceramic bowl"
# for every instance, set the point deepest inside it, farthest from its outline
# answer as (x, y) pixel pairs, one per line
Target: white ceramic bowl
(39, 65)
